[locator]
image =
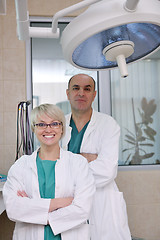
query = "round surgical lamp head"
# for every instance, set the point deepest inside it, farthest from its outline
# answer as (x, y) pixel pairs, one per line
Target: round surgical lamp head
(106, 35)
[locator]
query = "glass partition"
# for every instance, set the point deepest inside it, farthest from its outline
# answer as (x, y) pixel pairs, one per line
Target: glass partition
(135, 105)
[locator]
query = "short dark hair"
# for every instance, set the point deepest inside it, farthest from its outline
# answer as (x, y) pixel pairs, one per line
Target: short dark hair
(83, 74)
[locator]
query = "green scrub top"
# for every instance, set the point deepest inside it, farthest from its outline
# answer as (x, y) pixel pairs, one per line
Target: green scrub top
(75, 142)
(46, 178)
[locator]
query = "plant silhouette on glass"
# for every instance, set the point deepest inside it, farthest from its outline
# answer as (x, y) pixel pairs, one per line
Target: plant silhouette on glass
(144, 135)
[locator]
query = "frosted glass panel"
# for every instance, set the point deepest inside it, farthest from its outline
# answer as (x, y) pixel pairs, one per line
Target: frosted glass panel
(135, 105)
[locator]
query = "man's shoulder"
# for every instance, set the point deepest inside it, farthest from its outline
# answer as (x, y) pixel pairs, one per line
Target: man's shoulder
(105, 120)
(97, 117)
(103, 116)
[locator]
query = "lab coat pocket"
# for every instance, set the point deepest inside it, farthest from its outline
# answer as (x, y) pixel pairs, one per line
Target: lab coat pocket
(19, 232)
(118, 207)
(27, 231)
(77, 233)
(83, 232)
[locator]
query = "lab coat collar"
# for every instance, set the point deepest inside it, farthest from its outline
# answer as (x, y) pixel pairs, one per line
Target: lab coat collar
(93, 117)
(90, 128)
(65, 140)
(33, 157)
(32, 162)
(92, 120)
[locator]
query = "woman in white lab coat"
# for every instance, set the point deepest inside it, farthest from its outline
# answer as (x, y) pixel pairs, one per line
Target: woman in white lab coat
(49, 193)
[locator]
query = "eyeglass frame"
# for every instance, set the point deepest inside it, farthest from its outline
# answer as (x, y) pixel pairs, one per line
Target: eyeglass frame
(45, 125)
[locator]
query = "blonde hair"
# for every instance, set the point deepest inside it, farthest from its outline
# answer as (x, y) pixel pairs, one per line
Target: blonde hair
(50, 110)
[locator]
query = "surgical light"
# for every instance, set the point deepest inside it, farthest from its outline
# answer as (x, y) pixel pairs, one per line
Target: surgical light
(109, 34)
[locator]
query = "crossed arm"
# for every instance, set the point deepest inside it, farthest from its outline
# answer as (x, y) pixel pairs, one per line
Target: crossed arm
(55, 203)
(90, 156)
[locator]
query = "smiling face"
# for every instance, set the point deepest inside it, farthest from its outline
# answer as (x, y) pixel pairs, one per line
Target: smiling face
(47, 136)
(81, 93)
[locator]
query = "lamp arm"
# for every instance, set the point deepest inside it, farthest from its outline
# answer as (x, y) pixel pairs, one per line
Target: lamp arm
(21, 10)
(24, 31)
(22, 17)
(68, 10)
(130, 5)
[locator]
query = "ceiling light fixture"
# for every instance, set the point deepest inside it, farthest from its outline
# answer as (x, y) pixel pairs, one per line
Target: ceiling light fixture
(109, 34)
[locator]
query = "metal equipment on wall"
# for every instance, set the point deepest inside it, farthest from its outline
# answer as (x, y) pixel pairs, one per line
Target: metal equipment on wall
(24, 135)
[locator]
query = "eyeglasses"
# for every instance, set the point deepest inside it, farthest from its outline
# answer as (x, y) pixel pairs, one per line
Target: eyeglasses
(52, 125)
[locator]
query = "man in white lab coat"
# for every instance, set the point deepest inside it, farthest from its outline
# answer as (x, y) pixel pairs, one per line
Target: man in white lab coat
(96, 136)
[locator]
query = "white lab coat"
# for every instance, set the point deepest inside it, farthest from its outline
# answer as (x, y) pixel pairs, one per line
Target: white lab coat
(73, 179)
(109, 217)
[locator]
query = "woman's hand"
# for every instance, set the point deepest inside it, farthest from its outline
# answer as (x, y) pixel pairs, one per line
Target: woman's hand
(57, 203)
(89, 156)
(21, 194)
